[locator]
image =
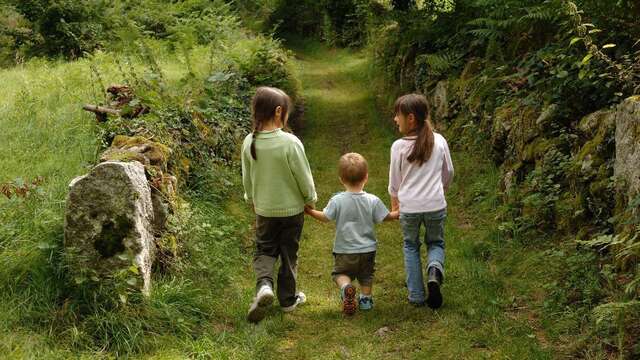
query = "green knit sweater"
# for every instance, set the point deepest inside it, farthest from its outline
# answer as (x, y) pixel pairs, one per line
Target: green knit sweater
(279, 182)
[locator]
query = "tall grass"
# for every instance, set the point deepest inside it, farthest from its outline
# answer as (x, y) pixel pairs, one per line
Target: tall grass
(44, 133)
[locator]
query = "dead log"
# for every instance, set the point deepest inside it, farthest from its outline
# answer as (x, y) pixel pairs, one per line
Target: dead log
(101, 111)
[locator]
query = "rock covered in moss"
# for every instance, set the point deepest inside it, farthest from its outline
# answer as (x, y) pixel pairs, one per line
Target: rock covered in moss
(155, 158)
(603, 120)
(627, 164)
(108, 225)
(137, 148)
(513, 130)
(548, 115)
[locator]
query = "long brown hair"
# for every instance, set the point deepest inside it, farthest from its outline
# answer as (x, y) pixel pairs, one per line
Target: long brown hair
(418, 105)
(263, 110)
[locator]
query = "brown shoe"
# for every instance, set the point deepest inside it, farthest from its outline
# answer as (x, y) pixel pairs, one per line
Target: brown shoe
(349, 303)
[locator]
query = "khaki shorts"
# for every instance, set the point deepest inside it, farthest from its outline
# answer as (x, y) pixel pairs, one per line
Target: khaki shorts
(356, 266)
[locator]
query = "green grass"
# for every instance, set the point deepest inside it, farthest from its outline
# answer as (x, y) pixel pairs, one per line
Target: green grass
(198, 310)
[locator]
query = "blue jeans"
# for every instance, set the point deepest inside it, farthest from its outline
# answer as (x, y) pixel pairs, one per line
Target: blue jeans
(434, 239)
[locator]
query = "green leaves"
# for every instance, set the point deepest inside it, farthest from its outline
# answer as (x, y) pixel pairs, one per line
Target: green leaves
(220, 77)
(575, 40)
(586, 59)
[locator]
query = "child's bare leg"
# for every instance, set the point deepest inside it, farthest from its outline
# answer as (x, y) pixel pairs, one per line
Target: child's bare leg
(342, 280)
(366, 290)
(365, 300)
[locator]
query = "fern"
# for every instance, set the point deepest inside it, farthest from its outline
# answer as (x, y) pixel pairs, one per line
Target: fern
(541, 14)
(615, 316)
(548, 12)
(627, 247)
(440, 63)
(486, 34)
(608, 311)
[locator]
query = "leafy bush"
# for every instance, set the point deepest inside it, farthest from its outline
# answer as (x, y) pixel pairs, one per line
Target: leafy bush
(268, 64)
(16, 35)
(71, 28)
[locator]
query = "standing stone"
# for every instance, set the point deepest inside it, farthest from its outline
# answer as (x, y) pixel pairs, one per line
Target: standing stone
(627, 165)
(108, 224)
(441, 101)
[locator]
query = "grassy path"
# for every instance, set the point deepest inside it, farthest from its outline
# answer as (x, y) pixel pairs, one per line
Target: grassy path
(475, 322)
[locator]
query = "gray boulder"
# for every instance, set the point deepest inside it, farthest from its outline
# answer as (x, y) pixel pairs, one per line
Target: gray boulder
(627, 164)
(108, 229)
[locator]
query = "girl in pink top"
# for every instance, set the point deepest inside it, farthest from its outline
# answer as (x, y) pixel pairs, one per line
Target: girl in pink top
(419, 175)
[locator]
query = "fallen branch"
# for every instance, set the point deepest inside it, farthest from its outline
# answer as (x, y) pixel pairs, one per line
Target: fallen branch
(101, 111)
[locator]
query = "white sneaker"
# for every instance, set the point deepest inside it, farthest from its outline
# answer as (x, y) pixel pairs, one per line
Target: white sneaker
(258, 308)
(301, 298)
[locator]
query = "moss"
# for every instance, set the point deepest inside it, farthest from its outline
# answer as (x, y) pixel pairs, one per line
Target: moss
(592, 123)
(514, 128)
(536, 149)
(593, 150)
(598, 187)
(156, 153)
(503, 118)
(523, 129)
(123, 155)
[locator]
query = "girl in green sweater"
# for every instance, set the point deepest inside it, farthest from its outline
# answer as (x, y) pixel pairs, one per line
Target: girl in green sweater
(278, 183)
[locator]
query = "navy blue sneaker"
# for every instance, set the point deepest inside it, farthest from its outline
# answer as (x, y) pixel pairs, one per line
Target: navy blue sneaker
(433, 284)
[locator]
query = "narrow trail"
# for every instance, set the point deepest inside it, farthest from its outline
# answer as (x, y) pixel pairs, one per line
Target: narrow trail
(474, 322)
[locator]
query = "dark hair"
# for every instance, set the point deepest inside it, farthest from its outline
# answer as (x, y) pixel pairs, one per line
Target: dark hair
(263, 110)
(418, 105)
(352, 168)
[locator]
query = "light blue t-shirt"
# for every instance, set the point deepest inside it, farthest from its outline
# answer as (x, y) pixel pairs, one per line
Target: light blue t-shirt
(355, 215)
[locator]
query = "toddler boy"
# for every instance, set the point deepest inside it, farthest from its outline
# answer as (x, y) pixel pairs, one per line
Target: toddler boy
(355, 213)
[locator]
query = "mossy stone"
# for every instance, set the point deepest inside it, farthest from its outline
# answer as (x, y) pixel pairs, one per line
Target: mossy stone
(156, 153)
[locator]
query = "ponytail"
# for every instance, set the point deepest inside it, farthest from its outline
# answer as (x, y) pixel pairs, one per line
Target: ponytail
(418, 105)
(253, 144)
(423, 146)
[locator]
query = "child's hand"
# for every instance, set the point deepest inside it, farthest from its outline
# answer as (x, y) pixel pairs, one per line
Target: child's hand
(308, 209)
(393, 215)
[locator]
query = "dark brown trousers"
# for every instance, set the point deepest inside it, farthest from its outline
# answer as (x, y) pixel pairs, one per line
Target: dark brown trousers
(278, 237)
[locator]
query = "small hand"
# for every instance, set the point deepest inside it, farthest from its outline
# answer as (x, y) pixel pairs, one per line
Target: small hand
(395, 215)
(308, 209)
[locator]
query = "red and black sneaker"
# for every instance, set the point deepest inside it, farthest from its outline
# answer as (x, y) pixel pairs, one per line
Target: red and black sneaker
(349, 303)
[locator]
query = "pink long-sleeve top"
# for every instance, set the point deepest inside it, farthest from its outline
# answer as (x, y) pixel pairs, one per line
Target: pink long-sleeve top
(420, 188)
